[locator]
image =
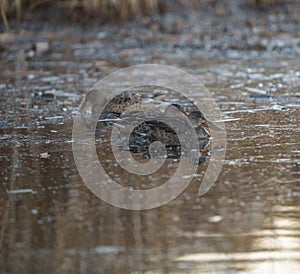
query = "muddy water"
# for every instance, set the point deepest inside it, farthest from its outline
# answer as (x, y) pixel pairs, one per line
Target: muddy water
(247, 223)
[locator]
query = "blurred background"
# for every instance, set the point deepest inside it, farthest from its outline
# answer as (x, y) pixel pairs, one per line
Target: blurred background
(246, 52)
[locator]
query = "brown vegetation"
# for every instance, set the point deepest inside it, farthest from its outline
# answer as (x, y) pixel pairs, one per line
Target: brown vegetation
(118, 9)
(111, 9)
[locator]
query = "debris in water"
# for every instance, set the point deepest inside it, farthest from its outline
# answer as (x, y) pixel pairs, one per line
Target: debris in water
(19, 191)
(256, 90)
(42, 47)
(215, 219)
(44, 155)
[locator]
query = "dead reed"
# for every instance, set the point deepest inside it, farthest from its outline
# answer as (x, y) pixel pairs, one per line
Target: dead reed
(114, 9)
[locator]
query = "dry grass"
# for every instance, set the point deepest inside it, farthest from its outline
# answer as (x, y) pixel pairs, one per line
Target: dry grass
(117, 9)
(107, 9)
(256, 3)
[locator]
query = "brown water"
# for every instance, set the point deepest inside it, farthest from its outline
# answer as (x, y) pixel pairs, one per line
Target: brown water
(248, 222)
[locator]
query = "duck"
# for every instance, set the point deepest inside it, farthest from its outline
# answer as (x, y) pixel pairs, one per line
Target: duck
(148, 129)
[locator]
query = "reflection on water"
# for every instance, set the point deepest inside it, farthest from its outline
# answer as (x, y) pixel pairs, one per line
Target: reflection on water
(247, 223)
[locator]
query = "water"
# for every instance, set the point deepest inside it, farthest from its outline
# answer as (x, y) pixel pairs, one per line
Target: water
(247, 223)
